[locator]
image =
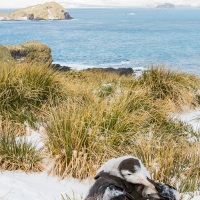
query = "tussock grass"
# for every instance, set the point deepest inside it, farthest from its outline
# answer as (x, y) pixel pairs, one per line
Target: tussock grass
(16, 153)
(8, 126)
(91, 117)
(71, 140)
(165, 84)
(76, 135)
(73, 197)
(172, 161)
(25, 90)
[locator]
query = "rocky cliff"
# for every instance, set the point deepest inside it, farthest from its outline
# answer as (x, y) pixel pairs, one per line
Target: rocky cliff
(46, 11)
(32, 52)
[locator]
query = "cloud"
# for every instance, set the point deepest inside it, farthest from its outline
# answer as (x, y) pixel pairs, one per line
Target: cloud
(83, 3)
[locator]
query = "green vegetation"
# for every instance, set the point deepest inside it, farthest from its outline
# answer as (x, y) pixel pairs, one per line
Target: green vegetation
(32, 53)
(16, 152)
(74, 197)
(90, 117)
(25, 90)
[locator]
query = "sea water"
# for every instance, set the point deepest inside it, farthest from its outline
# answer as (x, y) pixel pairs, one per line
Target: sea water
(116, 38)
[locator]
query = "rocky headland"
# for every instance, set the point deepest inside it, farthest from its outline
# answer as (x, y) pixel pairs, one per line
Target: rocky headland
(38, 54)
(31, 52)
(46, 11)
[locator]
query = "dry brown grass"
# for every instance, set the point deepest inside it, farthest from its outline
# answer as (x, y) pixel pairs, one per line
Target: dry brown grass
(91, 117)
(165, 84)
(176, 162)
(16, 153)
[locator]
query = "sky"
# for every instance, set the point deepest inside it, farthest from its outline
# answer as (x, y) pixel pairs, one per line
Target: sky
(95, 3)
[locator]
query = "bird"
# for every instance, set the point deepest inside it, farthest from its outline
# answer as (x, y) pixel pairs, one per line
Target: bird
(165, 190)
(127, 178)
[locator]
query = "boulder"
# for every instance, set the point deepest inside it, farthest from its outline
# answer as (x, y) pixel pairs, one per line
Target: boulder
(59, 67)
(46, 11)
(32, 52)
(119, 71)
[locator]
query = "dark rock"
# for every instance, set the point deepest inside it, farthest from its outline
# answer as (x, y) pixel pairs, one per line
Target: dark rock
(31, 52)
(38, 19)
(58, 67)
(30, 17)
(119, 71)
(18, 54)
(67, 15)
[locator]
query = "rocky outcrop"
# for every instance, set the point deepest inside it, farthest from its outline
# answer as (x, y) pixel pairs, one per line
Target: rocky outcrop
(46, 11)
(5, 56)
(59, 67)
(119, 71)
(32, 52)
(37, 54)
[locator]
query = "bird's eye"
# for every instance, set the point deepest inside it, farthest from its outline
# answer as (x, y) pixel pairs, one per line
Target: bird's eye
(128, 174)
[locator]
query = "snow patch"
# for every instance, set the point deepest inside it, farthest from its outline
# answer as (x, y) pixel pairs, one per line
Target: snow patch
(50, 14)
(192, 118)
(33, 136)
(138, 71)
(21, 186)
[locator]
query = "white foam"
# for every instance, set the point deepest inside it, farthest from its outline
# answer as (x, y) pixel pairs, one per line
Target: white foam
(115, 64)
(132, 13)
(75, 66)
(81, 66)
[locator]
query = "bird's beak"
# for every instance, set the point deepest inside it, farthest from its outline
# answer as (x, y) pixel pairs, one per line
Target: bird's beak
(144, 181)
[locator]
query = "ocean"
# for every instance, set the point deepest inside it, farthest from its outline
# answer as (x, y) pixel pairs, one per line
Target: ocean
(128, 37)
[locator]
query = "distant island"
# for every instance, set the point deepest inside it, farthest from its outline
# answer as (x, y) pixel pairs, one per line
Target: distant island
(46, 11)
(166, 6)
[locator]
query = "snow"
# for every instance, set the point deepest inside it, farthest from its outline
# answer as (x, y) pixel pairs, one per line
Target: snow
(50, 14)
(35, 137)
(39, 186)
(191, 118)
(196, 198)
(138, 71)
(18, 185)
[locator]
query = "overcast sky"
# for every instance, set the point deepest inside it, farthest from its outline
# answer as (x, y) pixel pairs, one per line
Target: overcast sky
(89, 3)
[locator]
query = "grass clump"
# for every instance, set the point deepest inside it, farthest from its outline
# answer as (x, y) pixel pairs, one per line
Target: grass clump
(16, 153)
(25, 90)
(172, 161)
(84, 128)
(165, 84)
(73, 197)
(70, 140)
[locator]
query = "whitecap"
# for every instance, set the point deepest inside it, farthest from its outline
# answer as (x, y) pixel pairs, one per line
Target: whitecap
(75, 66)
(132, 13)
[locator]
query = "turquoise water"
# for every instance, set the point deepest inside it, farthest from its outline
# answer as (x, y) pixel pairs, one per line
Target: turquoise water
(116, 38)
